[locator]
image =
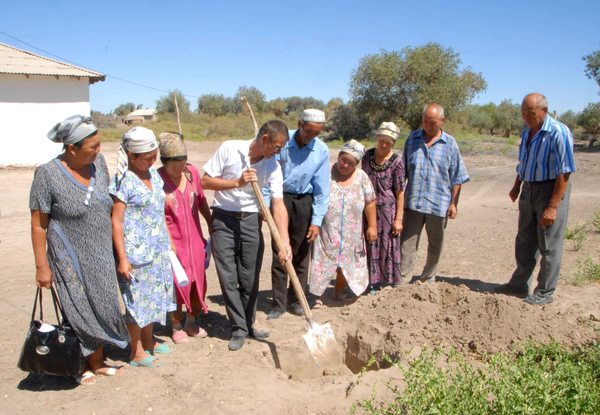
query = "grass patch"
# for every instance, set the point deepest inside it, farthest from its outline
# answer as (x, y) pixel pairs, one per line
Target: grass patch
(577, 235)
(539, 379)
(587, 272)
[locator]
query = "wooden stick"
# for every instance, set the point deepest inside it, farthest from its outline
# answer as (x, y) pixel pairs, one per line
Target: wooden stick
(177, 110)
(245, 101)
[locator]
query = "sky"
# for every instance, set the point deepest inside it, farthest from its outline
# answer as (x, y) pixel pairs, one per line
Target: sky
(307, 48)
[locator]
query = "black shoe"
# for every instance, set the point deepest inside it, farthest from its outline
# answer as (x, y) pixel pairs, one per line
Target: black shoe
(257, 334)
(236, 343)
(275, 314)
(508, 289)
(296, 309)
(536, 299)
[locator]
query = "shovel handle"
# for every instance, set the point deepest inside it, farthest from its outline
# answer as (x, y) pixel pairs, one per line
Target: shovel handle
(288, 264)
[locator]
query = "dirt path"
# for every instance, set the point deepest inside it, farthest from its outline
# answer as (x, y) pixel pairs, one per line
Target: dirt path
(276, 376)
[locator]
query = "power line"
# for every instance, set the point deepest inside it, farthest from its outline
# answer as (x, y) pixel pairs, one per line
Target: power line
(74, 63)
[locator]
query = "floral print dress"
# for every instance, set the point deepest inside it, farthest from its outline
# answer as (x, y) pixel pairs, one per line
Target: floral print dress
(341, 242)
(149, 296)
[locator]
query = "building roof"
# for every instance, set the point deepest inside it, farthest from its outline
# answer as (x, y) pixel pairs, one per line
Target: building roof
(146, 112)
(21, 62)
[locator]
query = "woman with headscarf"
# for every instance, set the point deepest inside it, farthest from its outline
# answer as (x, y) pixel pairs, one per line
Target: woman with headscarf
(340, 247)
(184, 200)
(386, 171)
(72, 241)
(142, 244)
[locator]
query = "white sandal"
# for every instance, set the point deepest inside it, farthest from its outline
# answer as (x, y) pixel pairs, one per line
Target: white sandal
(85, 376)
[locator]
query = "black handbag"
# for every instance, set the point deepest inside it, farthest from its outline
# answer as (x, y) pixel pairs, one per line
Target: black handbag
(54, 352)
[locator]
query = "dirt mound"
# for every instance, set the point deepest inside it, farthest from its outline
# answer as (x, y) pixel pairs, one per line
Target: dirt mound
(444, 315)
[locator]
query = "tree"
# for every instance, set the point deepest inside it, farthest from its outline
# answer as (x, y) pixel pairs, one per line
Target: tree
(400, 84)
(334, 103)
(508, 117)
(166, 103)
(590, 120)
(278, 107)
(477, 117)
(569, 118)
(592, 67)
(349, 123)
(125, 109)
(211, 104)
(256, 98)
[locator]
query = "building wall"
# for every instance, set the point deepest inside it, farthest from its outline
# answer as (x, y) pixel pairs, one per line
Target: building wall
(29, 108)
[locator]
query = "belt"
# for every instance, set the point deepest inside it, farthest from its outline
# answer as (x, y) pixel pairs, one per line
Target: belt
(297, 195)
(540, 182)
(233, 214)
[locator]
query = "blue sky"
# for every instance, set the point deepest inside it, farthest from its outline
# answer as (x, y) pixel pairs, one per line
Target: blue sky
(308, 48)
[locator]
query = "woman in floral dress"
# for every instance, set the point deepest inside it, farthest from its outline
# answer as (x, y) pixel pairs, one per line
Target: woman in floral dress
(340, 247)
(184, 201)
(386, 171)
(142, 244)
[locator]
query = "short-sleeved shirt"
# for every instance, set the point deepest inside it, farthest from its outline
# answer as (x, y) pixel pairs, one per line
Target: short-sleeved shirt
(229, 162)
(549, 153)
(146, 236)
(432, 172)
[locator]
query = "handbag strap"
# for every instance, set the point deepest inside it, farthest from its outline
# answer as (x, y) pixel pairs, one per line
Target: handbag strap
(38, 295)
(57, 306)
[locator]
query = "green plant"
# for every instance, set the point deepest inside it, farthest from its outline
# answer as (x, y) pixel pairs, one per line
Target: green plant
(587, 272)
(538, 379)
(577, 235)
(596, 221)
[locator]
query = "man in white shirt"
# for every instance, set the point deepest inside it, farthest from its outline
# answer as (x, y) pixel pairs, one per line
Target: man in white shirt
(237, 241)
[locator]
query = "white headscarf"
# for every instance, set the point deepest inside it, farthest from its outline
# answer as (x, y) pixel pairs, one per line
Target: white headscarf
(354, 148)
(138, 140)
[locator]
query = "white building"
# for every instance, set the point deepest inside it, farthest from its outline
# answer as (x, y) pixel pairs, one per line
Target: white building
(35, 94)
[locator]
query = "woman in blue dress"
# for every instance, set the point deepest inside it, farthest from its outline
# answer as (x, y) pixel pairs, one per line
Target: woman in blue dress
(142, 244)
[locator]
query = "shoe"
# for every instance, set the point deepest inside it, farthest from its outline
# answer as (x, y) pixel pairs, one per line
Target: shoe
(296, 309)
(274, 314)
(536, 299)
(257, 334)
(508, 289)
(147, 362)
(236, 343)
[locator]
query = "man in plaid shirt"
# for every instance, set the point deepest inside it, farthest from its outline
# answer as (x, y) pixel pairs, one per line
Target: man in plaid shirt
(434, 172)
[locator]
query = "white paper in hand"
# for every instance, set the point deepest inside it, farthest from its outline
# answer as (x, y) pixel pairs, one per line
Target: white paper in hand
(182, 279)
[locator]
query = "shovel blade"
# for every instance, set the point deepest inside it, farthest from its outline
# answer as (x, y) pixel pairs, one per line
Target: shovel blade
(322, 345)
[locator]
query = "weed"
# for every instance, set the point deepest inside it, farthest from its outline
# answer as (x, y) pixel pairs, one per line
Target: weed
(577, 235)
(596, 221)
(586, 272)
(538, 379)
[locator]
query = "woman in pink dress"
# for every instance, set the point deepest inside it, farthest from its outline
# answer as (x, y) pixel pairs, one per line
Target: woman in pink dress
(184, 200)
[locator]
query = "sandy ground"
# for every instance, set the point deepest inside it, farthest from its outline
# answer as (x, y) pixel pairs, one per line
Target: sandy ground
(277, 376)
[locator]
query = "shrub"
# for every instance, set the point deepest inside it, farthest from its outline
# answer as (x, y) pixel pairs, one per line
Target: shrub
(577, 235)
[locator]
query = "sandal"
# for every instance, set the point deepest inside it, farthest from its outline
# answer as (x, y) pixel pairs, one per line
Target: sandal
(318, 304)
(162, 349)
(80, 379)
(193, 330)
(180, 337)
(110, 371)
(147, 362)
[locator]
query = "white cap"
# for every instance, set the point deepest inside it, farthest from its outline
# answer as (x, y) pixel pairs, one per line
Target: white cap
(313, 115)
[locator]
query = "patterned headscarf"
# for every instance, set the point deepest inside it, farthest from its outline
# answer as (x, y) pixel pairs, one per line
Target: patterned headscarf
(390, 129)
(354, 148)
(72, 130)
(171, 145)
(138, 140)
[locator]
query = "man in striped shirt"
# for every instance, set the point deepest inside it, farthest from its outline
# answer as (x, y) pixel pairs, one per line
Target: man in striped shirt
(435, 172)
(545, 164)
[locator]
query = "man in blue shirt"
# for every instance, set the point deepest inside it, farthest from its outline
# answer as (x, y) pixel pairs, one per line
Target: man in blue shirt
(304, 162)
(434, 173)
(545, 164)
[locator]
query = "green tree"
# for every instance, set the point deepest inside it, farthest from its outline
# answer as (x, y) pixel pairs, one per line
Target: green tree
(256, 98)
(400, 84)
(592, 66)
(211, 104)
(349, 123)
(125, 109)
(477, 117)
(590, 120)
(278, 107)
(569, 118)
(334, 103)
(166, 103)
(293, 104)
(508, 117)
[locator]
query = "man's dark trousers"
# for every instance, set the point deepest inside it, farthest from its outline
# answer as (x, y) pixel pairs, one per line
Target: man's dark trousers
(299, 208)
(534, 241)
(237, 247)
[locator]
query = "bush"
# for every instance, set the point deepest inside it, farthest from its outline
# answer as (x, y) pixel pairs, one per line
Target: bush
(347, 124)
(586, 272)
(577, 235)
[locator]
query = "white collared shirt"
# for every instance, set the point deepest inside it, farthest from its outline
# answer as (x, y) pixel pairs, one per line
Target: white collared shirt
(229, 162)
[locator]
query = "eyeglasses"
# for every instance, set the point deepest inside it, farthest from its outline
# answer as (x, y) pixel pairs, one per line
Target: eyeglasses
(276, 148)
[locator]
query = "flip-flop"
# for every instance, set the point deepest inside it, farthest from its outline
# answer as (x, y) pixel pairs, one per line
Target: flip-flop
(162, 349)
(180, 337)
(147, 362)
(85, 376)
(111, 371)
(191, 331)
(318, 304)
